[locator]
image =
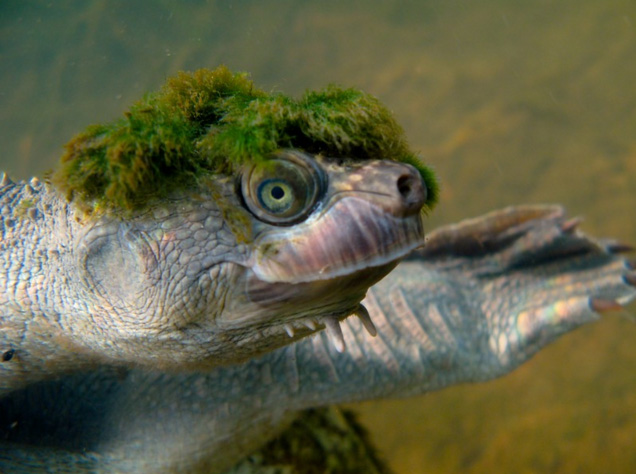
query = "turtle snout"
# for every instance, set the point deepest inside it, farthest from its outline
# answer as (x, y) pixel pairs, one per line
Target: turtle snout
(396, 188)
(411, 191)
(400, 186)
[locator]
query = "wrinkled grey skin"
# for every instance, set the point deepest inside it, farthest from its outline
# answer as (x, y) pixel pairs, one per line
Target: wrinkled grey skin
(479, 300)
(192, 281)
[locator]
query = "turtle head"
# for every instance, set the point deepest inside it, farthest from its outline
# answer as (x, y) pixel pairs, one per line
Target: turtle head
(220, 220)
(324, 231)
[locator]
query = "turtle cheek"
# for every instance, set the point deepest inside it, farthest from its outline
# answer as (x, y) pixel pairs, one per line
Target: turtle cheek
(117, 270)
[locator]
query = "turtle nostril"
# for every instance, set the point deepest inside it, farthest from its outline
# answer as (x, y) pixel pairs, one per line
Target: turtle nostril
(412, 192)
(405, 186)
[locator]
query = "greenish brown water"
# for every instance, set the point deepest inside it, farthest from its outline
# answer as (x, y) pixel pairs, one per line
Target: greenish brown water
(510, 101)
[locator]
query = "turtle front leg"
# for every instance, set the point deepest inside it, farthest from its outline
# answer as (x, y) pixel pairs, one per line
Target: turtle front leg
(482, 298)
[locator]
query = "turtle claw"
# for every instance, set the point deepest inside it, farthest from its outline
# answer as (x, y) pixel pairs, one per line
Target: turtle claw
(335, 333)
(571, 225)
(630, 278)
(620, 247)
(603, 306)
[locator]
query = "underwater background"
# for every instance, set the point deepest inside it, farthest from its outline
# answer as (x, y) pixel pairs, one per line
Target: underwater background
(510, 102)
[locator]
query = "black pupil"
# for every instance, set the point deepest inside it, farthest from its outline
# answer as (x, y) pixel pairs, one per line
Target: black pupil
(277, 192)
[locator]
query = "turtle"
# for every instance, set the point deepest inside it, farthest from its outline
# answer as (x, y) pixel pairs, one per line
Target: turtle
(178, 293)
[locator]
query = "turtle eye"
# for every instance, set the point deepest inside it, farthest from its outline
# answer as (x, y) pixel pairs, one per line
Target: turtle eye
(284, 189)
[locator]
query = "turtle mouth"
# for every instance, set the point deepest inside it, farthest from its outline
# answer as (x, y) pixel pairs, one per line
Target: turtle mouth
(316, 273)
(352, 235)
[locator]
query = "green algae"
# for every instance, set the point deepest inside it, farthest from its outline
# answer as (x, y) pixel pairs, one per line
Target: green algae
(23, 207)
(237, 218)
(324, 440)
(213, 122)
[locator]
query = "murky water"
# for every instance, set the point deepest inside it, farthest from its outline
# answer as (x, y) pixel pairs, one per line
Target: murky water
(510, 101)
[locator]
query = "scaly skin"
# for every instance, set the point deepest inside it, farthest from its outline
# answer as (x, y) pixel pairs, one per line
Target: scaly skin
(195, 280)
(479, 300)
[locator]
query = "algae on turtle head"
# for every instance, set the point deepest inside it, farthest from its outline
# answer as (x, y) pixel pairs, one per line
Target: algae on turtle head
(214, 122)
